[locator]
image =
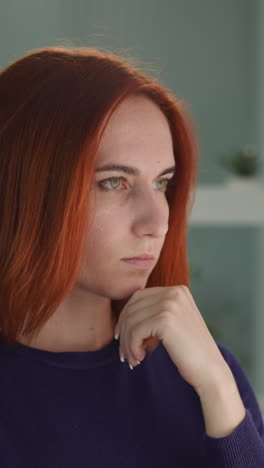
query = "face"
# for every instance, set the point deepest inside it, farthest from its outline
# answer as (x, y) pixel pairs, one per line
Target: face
(131, 212)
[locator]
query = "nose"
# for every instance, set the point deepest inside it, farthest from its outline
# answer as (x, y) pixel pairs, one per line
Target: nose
(151, 214)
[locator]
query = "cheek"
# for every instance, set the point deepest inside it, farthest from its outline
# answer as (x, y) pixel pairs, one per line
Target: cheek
(106, 234)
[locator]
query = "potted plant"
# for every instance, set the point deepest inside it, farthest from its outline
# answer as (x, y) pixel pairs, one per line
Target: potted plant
(243, 165)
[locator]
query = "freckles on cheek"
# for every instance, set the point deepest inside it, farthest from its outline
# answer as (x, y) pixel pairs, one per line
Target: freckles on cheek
(108, 221)
(109, 216)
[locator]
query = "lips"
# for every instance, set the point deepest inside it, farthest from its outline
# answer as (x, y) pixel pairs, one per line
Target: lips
(140, 257)
(139, 263)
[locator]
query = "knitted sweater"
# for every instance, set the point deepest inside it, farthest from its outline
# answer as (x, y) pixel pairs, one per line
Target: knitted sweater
(89, 410)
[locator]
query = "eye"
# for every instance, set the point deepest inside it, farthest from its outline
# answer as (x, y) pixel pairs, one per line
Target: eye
(117, 179)
(111, 180)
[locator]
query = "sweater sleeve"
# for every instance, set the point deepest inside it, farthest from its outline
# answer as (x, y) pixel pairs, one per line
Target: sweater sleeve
(244, 447)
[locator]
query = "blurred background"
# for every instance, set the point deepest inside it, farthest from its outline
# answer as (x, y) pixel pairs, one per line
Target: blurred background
(210, 53)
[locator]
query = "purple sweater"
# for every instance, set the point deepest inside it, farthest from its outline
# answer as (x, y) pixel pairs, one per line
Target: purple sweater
(89, 410)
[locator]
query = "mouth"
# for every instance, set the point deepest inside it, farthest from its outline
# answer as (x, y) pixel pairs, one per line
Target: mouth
(140, 257)
(139, 262)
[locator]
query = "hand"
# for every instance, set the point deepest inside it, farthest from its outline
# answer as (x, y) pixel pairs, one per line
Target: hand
(171, 315)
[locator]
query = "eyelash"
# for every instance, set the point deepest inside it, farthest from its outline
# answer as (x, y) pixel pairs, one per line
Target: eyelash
(123, 178)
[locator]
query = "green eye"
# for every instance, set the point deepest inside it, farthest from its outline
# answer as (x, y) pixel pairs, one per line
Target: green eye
(114, 180)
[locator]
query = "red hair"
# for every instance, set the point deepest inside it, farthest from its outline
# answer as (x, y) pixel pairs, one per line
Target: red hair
(55, 104)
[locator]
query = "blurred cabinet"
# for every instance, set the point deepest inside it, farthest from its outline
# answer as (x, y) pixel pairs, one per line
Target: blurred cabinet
(238, 203)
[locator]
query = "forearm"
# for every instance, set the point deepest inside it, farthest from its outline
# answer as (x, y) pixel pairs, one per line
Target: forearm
(222, 407)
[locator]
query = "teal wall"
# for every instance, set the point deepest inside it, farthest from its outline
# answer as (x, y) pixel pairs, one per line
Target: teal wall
(205, 52)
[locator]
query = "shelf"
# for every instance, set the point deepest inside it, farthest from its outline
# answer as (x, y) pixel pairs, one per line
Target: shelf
(235, 203)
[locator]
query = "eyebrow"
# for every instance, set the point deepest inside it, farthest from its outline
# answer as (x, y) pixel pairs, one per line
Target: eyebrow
(130, 170)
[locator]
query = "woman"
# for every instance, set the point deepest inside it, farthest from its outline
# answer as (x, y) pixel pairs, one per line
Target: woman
(98, 165)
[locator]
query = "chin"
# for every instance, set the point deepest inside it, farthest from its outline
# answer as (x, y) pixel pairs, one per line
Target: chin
(126, 292)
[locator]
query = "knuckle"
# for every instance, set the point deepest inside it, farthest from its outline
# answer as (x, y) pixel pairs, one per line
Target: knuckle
(184, 288)
(180, 291)
(167, 303)
(172, 293)
(166, 316)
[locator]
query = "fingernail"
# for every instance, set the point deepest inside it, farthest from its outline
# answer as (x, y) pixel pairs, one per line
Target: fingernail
(122, 358)
(138, 362)
(116, 336)
(131, 367)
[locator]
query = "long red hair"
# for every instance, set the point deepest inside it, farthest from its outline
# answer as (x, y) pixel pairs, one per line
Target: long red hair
(55, 104)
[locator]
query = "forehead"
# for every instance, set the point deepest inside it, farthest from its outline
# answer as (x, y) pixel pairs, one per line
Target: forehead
(137, 129)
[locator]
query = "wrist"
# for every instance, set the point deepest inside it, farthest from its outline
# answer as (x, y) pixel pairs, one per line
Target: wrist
(217, 382)
(222, 406)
